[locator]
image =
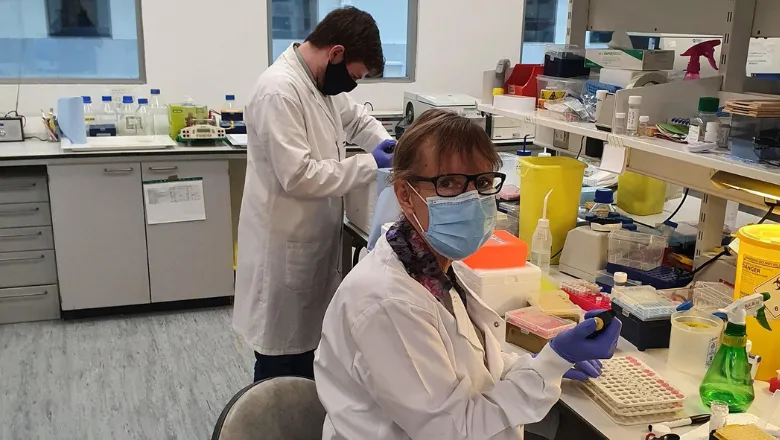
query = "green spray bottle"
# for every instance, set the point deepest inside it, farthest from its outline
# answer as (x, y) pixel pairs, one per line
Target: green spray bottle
(728, 378)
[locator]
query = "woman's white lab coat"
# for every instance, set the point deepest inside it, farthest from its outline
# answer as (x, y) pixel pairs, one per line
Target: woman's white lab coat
(394, 364)
(289, 233)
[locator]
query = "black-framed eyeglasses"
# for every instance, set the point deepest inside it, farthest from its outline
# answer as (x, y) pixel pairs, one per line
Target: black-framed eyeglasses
(452, 185)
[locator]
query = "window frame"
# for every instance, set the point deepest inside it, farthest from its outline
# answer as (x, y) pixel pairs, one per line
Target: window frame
(411, 45)
(89, 81)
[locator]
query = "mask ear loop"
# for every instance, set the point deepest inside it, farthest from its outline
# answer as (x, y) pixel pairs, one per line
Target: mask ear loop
(415, 214)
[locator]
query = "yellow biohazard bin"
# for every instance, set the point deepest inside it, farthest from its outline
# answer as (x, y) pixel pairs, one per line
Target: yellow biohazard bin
(758, 271)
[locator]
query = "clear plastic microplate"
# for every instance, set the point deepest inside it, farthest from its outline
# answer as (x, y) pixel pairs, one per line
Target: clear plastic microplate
(644, 301)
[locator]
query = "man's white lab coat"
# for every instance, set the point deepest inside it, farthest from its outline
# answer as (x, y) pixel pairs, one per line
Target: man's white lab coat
(394, 364)
(289, 232)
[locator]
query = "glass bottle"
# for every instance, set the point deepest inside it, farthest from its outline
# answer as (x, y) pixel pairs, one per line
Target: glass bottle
(708, 112)
(604, 200)
(620, 124)
(109, 115)
(632, 123)
(127, 118)
(145, 119)
(644, 122)
(89, 112)
(159, 111)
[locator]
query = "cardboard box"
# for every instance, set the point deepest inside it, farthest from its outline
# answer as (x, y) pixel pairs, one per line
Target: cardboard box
(630, 59)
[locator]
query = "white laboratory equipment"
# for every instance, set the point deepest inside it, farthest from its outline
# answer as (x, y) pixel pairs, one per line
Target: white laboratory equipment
(159, 111)
(585, 253)
(416, 104)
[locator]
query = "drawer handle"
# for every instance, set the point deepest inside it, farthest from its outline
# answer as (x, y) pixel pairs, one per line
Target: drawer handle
(118, 170)
(26, 185)
(163, 168)
(34, 234)
(26, 295)
(20, 211)
(20, 259)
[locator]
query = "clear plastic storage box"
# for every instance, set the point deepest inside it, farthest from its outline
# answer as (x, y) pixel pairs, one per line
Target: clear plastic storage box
(635, 249)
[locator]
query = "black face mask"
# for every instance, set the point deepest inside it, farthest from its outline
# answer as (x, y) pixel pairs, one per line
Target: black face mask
(337, 79)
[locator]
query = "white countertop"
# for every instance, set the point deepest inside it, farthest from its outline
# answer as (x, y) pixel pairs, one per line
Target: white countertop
(37, 149)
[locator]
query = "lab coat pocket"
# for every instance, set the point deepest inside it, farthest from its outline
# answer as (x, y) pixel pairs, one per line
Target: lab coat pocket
(300, 265)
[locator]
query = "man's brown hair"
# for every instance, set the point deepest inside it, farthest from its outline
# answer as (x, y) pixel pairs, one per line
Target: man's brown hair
(450, 134)
(357, 31)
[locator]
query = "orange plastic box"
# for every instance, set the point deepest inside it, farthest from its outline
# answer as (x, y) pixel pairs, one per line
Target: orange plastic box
(502, 251)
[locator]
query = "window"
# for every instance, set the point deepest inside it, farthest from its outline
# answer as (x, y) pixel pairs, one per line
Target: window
(70, 41)
(293, 20)
(545, 24)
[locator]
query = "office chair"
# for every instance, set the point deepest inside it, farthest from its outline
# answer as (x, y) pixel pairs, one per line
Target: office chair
(282, 408)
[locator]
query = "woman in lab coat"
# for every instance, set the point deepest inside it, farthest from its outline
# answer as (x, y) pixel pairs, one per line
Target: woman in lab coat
(407, 352)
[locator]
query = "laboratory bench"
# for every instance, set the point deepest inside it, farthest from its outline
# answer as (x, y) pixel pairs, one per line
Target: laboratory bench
(76, 238)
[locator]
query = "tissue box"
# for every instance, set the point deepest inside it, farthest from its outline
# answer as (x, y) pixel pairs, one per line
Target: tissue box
(631, 59)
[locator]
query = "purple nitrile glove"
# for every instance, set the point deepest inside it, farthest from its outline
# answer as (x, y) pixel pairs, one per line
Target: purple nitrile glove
(583, 370)
(383, 153)
(574, 345)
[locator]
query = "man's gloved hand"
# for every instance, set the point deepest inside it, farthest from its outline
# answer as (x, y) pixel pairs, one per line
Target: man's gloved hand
(574, 345)
(583, 370)
(383, 153)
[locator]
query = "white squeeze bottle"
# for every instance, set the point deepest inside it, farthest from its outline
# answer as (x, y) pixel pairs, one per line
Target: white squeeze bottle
(541, 244)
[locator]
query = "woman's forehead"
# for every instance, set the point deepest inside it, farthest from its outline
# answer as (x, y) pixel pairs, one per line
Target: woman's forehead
(430, 164)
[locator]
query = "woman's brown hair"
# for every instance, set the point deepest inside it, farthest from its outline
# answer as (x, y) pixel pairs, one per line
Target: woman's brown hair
(449, 133)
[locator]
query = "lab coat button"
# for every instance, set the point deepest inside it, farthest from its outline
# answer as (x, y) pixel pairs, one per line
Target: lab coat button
(496, 324)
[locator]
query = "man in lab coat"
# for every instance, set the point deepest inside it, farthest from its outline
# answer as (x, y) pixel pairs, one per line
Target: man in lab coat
(289, 233)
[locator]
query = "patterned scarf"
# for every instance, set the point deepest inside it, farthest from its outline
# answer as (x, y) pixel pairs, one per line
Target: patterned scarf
(421, 265)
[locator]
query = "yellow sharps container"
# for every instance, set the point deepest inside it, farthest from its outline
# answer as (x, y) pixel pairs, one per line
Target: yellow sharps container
(538, 175)
(758, 271)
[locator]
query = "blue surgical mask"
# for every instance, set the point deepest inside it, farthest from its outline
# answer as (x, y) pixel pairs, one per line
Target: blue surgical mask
(458, 226)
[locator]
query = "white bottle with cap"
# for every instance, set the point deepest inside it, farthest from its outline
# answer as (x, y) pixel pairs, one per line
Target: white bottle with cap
(632, 123)
(541, 243)
(620, 279)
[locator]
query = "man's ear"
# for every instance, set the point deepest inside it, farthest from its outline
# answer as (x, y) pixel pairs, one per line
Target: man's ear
(336, 54)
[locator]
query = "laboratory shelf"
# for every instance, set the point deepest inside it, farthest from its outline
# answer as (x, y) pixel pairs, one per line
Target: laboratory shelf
(580, 128)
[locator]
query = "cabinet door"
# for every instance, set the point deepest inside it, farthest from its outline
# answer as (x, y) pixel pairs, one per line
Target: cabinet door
(191, 260)
(99, 235)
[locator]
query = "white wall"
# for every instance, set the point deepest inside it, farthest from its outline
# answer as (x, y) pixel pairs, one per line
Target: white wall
(457, 41)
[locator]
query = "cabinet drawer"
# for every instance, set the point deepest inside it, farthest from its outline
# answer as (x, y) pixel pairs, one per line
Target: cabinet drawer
(23, 190)
(32, 268)
(22, 215)
(26, 239)
(23, 304)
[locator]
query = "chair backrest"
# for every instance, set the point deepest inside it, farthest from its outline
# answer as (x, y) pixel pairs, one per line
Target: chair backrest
(282, 408)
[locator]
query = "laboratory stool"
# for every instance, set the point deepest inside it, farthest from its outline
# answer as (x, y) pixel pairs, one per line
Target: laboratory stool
(281, 408)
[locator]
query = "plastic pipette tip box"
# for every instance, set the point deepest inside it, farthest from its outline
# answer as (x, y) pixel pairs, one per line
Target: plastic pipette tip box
(662, 277)
(645, 302)
(586, 295)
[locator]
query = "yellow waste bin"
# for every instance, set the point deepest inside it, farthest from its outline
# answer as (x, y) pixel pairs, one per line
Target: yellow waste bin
(640, 195)
(538, 175)
(758, 271)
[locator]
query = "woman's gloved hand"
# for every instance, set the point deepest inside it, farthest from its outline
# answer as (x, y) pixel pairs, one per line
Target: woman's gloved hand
(383, 153)
(575, 346)
(583, 370)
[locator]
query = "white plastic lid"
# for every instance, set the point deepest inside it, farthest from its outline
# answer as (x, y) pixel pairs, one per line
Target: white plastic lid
(644, 119)
(601, 94)
(635, 100)
(620, 115)
(545, 155)
(621, 277)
